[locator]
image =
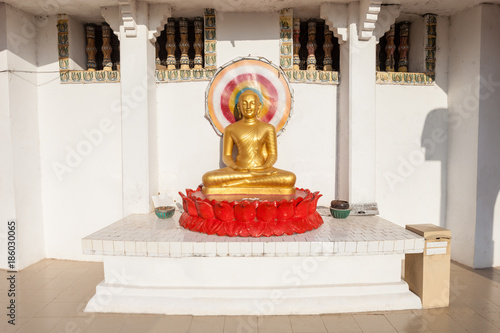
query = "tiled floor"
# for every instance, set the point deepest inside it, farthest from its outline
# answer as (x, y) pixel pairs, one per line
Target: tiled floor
(52, 293)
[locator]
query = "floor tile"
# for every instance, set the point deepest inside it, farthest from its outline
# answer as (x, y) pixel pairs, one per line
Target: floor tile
(274, 324)
(469, 319)
(200, 324)
(438, 319)
(61, 310)
(39, 325)
(103, 324)
(157, 324)
(307, 324)
(406, 322)
(28, 310)
(340, 323)
(241, 324)
(73, 295)
(41, 295)
(19, 322)
(52, 294)
(374, 322)
(71, 324)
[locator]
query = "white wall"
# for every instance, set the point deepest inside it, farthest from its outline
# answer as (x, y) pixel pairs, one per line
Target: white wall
(243, 34)
(22, 186)
(417, 41)
(308, 146)
(80, 140)
(7, 208)
(487, 236)
(411, 143)
(464, 66)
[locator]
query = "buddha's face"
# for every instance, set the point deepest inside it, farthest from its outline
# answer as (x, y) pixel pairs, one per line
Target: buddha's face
(249, 105)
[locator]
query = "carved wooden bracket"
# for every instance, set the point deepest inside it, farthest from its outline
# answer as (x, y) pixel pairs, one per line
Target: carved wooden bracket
(386, 18)
(368, 15)
(335, 16)
(129, 17)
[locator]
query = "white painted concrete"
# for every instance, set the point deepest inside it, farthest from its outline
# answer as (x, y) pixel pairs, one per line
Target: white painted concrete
(357, 62)
(252, 285)
(22, 187)
(418, 40)
(80, 143)
(77, 42)
(412, 141)
(463, 92)
(411, 154)
(90, 9)
(487, 236)
(243, 34)
(138, 107)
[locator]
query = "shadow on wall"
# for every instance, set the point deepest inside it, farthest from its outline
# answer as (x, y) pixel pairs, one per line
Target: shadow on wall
(485, 219)
(434, 140)
(486, 212)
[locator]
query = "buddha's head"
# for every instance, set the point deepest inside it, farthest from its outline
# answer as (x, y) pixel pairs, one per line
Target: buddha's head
(249, 104)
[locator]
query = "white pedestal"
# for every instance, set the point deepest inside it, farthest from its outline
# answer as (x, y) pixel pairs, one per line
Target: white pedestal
(340, 267)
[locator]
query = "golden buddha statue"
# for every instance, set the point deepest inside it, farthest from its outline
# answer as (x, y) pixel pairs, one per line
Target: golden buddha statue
(252, 172)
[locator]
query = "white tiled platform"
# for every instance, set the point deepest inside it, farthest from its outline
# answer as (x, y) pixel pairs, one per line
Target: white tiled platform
(154, 266)
(147, 235)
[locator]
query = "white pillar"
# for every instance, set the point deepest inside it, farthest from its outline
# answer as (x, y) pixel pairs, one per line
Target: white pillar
(20, 175)
(357, 66)
(138, 100)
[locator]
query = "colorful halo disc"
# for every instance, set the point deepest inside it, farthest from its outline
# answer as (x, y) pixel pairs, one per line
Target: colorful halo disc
(242, 74)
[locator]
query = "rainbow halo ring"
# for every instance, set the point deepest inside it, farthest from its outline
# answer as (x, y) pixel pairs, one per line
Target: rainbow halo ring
(249, 73)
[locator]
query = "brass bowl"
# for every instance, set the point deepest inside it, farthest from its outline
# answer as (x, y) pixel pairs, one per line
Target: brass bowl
(165, 212)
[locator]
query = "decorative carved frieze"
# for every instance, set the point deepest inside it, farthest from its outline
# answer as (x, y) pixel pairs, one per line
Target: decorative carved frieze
(198, 43)
(63, 43)
(403, 47)
(91, 75)
(170, 45)
(311, 45)
(90, 49)
(286, 40)
(204, 44)
(390, 62)
(210, 40)
(184, 43)
(430, 47)
(400, 78)
(296, 44)
(106, 48)
(328, 47)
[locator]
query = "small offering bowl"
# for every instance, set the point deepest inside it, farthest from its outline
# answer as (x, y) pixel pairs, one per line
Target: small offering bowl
(165, 212)
(340, 209)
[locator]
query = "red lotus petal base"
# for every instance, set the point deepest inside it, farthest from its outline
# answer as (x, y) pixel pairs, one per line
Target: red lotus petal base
(250, 217)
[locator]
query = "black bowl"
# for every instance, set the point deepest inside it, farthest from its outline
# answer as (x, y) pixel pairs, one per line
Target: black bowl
(340, 204)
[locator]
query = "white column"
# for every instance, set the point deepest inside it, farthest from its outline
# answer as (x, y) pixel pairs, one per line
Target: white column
(357, 104)
(138, 100)
(20, 183)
